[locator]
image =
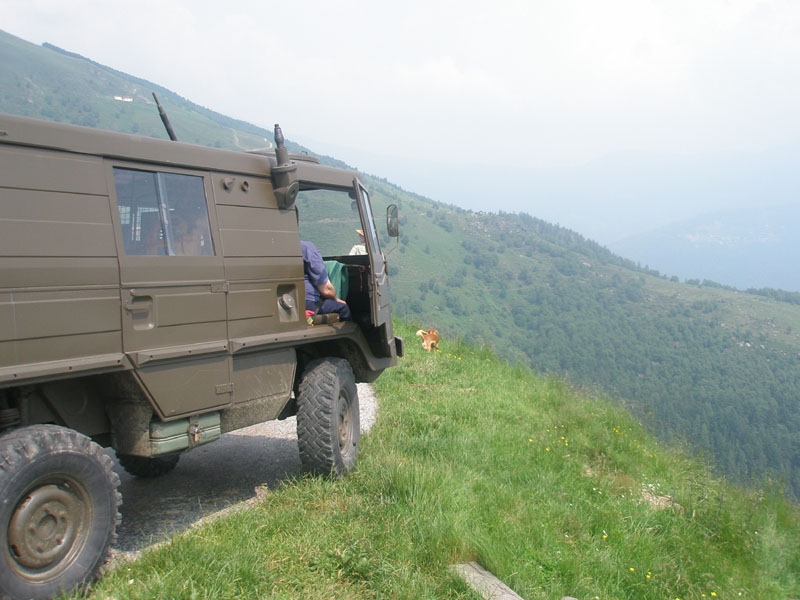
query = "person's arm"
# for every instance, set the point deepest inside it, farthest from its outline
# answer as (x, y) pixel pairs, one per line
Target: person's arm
(315, 270)
(326, 290)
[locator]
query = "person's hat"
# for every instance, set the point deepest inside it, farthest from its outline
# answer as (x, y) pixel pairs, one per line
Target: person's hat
(359, 232)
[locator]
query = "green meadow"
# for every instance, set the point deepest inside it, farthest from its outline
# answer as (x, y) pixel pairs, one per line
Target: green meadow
(556, 491)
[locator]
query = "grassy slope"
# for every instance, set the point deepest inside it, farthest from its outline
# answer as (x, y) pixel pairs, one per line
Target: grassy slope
(708, 364)
(473, 459)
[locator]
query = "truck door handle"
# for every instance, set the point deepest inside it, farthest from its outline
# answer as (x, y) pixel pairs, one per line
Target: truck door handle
(139, 304)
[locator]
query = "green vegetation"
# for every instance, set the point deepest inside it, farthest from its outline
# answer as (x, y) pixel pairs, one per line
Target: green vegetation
(473, 459)
(697, 362)
(48, 83)
(708, 365)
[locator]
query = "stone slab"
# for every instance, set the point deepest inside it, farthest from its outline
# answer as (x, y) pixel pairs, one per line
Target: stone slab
(484, 583)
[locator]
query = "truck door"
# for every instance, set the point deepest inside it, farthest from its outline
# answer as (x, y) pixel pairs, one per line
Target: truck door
(380, 304)
(380, 299)
(174, 322)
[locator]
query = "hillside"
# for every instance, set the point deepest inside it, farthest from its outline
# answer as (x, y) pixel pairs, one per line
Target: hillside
(50, 83)
(472, 459)
(702, 363)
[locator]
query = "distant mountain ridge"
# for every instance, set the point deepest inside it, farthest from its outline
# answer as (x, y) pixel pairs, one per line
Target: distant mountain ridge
(710, 366)
(746, 248)
(619, 195)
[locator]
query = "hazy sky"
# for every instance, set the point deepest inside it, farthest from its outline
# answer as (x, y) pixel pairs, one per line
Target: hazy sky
(428, 92)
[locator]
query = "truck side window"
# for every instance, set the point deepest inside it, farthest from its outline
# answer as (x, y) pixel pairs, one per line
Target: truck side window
(163, 214)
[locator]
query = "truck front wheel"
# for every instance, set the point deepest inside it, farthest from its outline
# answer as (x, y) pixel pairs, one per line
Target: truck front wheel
(328, 428)
(59, 511)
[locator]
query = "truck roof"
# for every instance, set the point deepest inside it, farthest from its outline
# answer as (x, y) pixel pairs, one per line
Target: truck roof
(109, 144)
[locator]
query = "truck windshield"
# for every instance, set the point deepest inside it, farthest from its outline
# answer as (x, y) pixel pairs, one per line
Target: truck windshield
(331, 220)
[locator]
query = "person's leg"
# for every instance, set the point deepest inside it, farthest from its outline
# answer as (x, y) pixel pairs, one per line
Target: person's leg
(332, 306)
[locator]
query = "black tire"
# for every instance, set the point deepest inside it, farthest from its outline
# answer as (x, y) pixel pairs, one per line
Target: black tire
(140, 466)
(328, 427)
(59, 511)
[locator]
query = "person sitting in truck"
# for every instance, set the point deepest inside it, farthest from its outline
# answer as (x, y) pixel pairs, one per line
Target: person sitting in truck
(360, 247)
(321, 295)
(191, 236)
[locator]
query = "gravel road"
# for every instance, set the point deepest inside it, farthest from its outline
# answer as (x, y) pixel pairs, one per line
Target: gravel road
(230, 472)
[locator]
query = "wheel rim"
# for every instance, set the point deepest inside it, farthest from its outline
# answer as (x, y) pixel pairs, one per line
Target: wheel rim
(345, 425)
(48, 528)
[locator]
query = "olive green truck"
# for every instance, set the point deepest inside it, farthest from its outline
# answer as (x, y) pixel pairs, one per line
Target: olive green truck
(151, 299)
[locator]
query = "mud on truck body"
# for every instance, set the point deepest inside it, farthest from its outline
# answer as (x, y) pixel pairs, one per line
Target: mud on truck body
(152, 299)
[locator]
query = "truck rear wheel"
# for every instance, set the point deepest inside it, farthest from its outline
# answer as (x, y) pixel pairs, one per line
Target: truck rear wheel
(59, 512)
(328, 428)
(141, 466)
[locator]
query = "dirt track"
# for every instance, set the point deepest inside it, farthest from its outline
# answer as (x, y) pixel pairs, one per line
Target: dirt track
(213, 478)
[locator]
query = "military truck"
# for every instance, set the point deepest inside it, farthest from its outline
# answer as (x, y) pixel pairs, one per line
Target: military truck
(151, 299)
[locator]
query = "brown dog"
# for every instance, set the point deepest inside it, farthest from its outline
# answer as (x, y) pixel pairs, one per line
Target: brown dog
(430, 339)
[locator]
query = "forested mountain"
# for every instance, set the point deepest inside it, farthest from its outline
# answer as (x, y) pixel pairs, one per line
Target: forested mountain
(698, 362)
(704, 364)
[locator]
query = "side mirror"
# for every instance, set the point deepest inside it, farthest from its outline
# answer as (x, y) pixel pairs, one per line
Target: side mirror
(392, 221)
